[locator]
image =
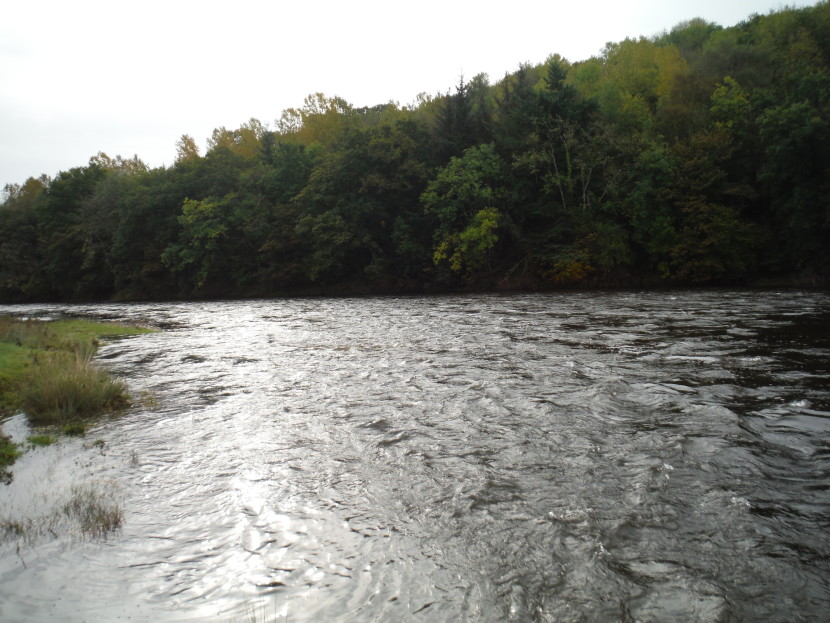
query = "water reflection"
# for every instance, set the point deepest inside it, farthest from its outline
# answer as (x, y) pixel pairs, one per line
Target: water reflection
(657, 456)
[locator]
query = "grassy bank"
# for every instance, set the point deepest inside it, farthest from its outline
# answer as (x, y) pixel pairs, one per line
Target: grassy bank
(46, 371)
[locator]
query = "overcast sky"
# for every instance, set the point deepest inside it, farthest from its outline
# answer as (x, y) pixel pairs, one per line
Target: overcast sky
(130, 78)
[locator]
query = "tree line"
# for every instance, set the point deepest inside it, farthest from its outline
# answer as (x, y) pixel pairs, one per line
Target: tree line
(699, 156)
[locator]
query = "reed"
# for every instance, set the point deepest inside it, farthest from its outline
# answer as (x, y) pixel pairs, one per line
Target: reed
(91, 511)
(95, 514)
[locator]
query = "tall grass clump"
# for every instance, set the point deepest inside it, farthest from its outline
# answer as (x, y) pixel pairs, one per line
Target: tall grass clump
(62, 388)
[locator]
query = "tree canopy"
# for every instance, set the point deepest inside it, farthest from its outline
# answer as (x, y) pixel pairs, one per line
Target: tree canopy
(698, 156)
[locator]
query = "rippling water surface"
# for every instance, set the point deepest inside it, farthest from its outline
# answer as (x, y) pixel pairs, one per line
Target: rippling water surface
(567, 457)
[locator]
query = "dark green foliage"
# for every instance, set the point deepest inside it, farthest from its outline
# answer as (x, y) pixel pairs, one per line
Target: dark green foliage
(61, 236)
(19, 242)
(698, 156)
(515, 102)
(290, 166)
(350, 209)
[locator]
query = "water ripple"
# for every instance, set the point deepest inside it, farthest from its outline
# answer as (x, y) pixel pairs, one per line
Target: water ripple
(612, 456)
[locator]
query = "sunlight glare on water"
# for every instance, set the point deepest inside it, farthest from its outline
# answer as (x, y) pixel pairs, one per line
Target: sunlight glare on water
(561, 457)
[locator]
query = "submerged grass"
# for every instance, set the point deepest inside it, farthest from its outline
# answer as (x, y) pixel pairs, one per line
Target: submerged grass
(260, 614)
(95, 514)
(73, 429)
(90, 512)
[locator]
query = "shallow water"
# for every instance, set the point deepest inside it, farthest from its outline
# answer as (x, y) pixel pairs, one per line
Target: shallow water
(565, 457)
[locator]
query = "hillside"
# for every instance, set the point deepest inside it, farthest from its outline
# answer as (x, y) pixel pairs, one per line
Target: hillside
(696, 157)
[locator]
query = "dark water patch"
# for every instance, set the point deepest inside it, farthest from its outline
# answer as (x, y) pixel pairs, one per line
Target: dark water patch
(193, 359)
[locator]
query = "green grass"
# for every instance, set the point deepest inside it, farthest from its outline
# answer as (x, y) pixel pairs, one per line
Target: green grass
(68, 334)
(46, 371)
(31, 333)
(41, 440)
(61, 389)
(8, 455)
(14, 361)
(74, 429)
(76, 331)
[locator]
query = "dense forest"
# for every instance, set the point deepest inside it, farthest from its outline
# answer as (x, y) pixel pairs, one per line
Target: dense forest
(699, 156)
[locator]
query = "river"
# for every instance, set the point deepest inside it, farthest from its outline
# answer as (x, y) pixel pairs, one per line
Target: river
(636, 456)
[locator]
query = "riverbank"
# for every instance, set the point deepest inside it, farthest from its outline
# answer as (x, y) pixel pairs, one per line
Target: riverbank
(46, 371)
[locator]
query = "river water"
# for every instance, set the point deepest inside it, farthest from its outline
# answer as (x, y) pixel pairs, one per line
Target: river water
(564, 457)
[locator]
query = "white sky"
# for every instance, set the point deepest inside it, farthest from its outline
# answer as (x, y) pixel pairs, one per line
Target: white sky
(83, 76)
